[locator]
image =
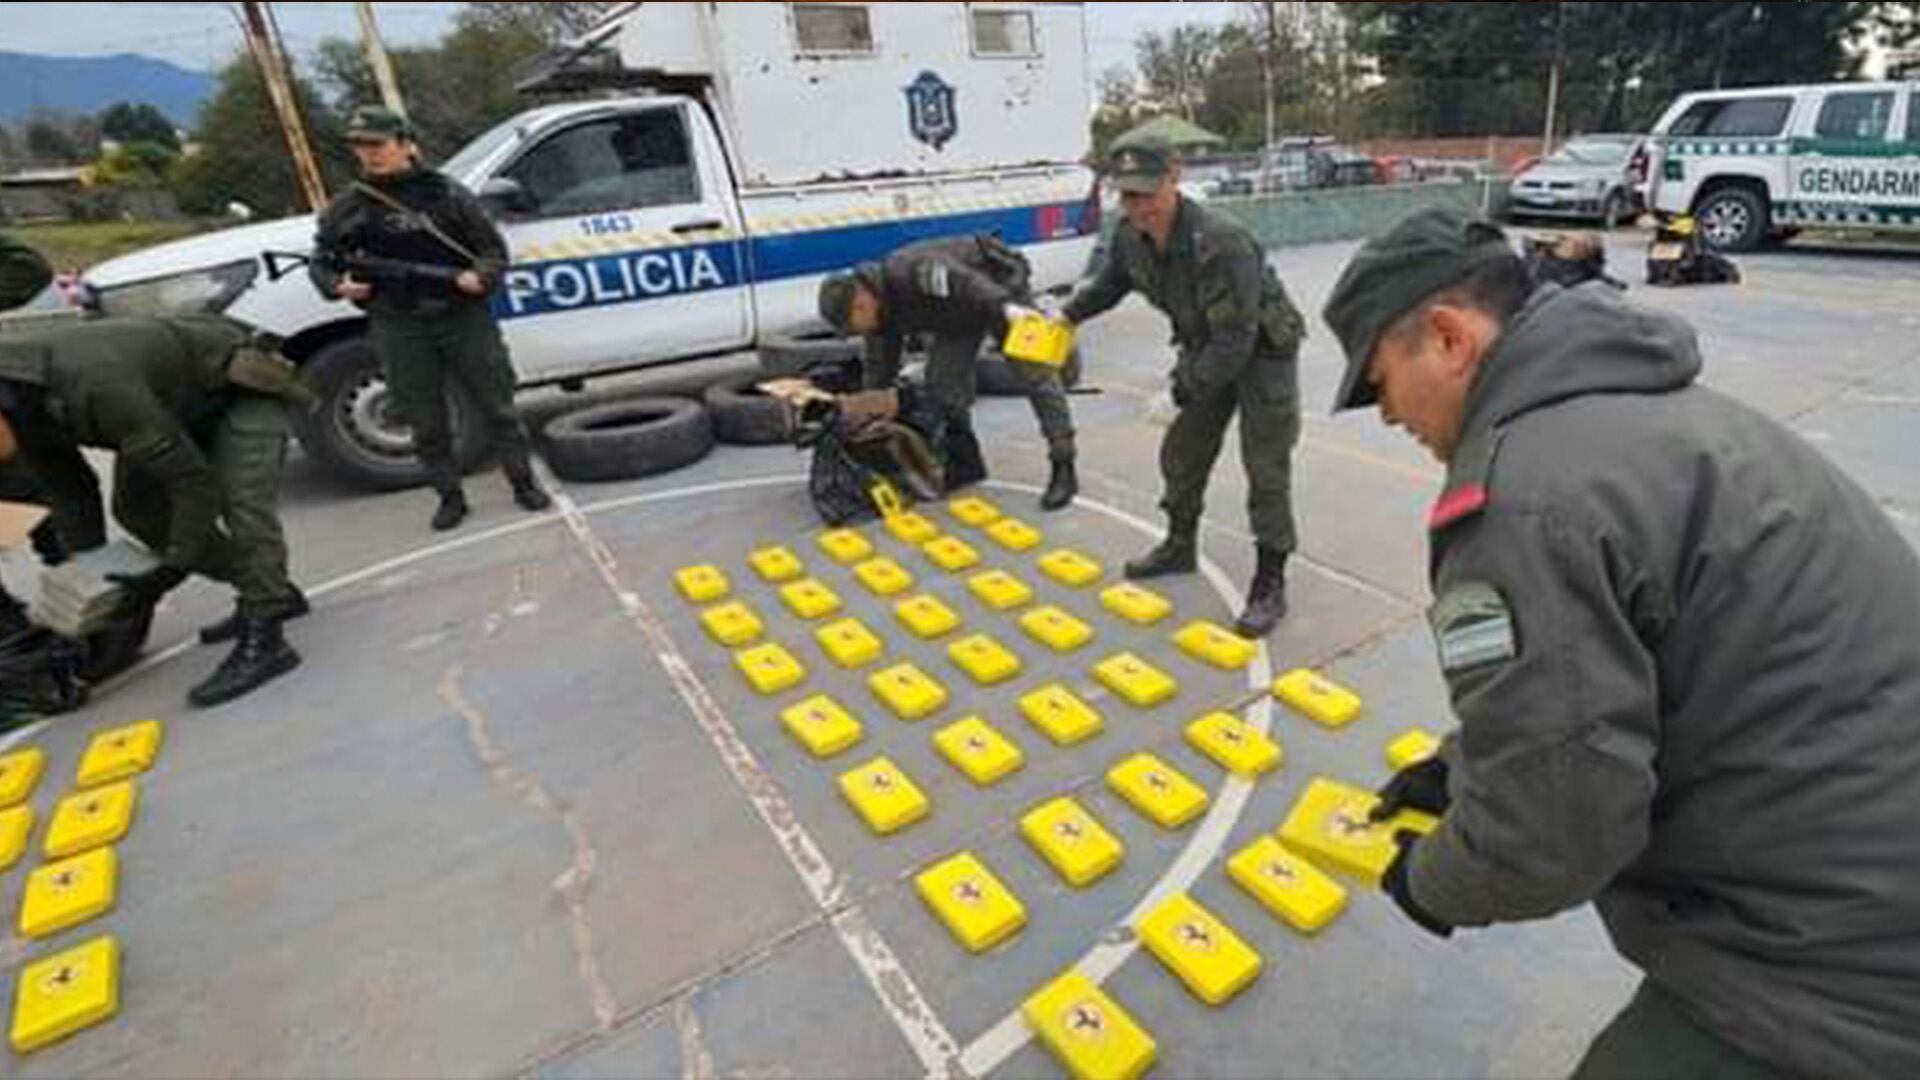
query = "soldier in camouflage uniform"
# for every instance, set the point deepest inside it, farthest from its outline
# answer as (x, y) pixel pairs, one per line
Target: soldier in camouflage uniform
(197, 466)
(427, 329)
(1238, 338)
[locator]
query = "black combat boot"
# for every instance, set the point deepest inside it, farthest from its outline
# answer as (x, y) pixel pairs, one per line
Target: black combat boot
(1062, 486)
(529, 496)
(229, 628)
(453, 510)
(1267, 598)
(1179, 553)
(261, 656)
(966, 465)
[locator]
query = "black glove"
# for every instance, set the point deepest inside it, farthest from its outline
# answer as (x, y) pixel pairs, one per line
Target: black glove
(1182, 393)
(145, 590)
(49, 544)
(1421, 786)
(1396, 885)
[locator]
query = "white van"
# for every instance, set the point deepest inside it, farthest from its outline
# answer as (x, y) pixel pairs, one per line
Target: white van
(799, 139)
(1759, 164)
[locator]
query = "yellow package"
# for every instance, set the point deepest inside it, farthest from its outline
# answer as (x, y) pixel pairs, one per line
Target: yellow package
(911, 529)
(1214, 645)
(979, 910)
(19, 773)
(66, 993)
(1324, 702)
(809, 599)
(1036, 339)
(119, 753)
(1204, 952)
(1014, 535)
(951, 554)
(1157, 790)
(822, 726)
(1088, 1032)
(886, 799)
(1234, 745)
(927, 617)
(732, 625)
(908, 691)
(849, 643)
(986, 660)
(1143, 607)
(1077, 846)
(846, 546)
(1061, 715)
(64, 894)
(999, 590)
(16, 825)
(1070, 568)
(776, 564)
(975, 748)
(1412, 748)
(1139, 682)
(703, 584)
(1329, 825)
(1056, 629)
(770, 669)
(974, 512)
(883, 577)
(90, 819)
(1287, 885)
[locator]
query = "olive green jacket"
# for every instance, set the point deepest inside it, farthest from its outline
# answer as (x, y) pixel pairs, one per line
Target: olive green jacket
(1227, 306)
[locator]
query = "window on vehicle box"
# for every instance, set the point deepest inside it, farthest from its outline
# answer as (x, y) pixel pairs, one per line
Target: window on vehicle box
(1913, 118)
(619, 163)
(1005, 32)
(1751, 118)
(832, 29)
(1855, 115)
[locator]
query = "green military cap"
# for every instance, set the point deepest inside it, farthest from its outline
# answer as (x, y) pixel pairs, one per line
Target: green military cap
(1138, 163)
(377, 123)
(1393, 274)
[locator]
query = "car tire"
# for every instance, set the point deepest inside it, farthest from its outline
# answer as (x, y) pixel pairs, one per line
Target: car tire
(1616, 210)
(743, 416)
(786, 357)
(1733, 218)
(993, 376)
(627, 440)
(354, 431)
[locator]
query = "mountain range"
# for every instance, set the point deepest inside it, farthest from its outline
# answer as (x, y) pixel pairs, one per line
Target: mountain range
(87, 84)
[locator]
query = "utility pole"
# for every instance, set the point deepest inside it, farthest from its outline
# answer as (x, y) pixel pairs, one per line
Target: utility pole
(272, 60)
(1553, 80)
(1267, 59)
(377, 57)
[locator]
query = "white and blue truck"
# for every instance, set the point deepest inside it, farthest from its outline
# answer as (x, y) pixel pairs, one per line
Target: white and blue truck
(754, 149)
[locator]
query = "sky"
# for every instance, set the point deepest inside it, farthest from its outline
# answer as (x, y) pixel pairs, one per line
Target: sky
(202, 36)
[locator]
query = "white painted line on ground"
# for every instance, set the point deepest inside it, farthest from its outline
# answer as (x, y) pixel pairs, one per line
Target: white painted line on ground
(899, 996)
(1004, 1039)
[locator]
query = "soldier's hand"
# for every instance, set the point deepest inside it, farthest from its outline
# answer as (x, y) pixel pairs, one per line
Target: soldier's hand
(1016, 312)
(145, 590)
(1396, 885)
(1421, 786)
(471, 283)
(352, 289)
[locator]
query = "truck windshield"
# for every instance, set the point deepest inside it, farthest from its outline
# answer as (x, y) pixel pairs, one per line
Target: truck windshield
(480, 149)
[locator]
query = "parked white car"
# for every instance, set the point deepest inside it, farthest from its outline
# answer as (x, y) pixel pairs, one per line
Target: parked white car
(1589, 178)
(657, 229)
(1755, 165)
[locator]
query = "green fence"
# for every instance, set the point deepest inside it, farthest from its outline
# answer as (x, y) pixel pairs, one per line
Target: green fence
(1319, 217)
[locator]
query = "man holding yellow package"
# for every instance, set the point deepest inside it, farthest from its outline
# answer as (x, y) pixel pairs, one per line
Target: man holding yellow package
(956, 291)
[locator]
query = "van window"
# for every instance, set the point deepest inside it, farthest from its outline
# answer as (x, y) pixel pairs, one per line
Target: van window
(1753, 118)
(832, 29)
(1855, 116)
(624, 163)
(1004, 33)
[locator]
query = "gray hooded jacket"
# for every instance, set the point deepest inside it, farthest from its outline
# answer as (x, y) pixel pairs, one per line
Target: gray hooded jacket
(1685, 654)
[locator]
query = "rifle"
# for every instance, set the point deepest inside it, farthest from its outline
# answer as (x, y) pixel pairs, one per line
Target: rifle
(372, 269)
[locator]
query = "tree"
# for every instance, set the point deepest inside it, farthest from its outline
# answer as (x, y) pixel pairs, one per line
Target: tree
(1175, 65)
(550, 23)
(128, 122)
(137, 164)
(241, 154)
(50, 142)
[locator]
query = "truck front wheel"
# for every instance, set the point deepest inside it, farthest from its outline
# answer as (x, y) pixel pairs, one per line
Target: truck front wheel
(1733, 218)
(353, 429)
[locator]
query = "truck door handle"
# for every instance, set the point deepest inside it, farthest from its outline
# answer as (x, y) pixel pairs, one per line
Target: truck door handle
(698, 226)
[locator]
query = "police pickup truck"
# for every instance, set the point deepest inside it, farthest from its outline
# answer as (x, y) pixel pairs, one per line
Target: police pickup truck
(646, 230)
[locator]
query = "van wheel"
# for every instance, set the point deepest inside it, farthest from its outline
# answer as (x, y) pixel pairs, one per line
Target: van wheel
(1733, 218)
(627, 440)
(744, 416)
(1617, 211)
(354, 430)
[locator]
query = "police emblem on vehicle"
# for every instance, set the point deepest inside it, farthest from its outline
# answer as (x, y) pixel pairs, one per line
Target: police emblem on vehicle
(931, 113)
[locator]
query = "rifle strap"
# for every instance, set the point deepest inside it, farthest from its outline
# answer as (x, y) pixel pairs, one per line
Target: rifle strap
(426, 221)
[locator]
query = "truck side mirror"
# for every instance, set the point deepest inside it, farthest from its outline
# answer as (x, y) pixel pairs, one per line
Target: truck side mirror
(502, 197)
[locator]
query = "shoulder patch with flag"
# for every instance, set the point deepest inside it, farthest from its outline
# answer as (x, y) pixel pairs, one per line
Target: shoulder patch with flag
(1473, 627)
